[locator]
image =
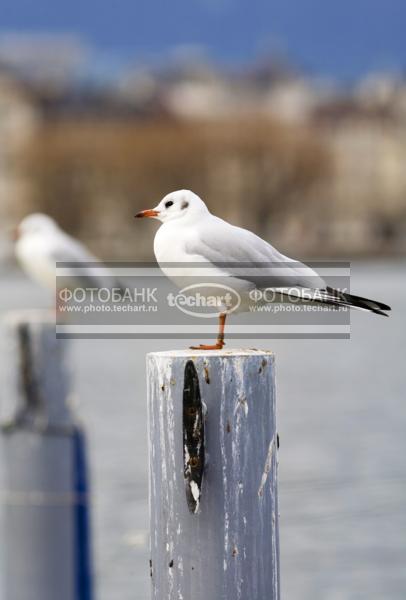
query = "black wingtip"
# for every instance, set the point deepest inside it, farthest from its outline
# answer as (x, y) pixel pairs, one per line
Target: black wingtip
(374, 306)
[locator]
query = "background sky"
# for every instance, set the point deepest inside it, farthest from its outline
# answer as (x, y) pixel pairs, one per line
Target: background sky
(344, 38)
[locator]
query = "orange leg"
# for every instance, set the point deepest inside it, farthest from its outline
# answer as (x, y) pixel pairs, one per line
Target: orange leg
(220, 337)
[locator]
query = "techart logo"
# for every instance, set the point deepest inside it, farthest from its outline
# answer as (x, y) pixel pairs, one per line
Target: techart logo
(205, 300)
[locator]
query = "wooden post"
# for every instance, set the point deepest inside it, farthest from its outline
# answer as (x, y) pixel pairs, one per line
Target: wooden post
(213, 475)
(45, 503)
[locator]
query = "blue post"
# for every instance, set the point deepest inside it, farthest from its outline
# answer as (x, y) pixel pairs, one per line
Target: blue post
(82, 518)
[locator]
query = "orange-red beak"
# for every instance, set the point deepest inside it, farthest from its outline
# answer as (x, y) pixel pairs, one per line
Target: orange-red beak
(147, 213)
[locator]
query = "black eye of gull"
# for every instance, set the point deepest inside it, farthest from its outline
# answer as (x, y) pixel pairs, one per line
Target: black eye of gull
(168, 204)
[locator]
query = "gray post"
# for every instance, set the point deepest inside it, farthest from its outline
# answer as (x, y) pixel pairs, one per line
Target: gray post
(213, 475)
(44, 495)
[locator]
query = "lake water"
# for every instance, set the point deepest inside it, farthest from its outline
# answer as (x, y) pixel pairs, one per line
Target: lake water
(342, 424)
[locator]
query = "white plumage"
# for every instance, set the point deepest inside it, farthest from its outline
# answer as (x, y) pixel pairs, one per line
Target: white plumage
(234, 256)
(40, 244)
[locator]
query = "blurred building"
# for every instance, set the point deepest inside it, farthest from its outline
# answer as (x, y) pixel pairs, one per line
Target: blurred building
(18, 126)
(367, 208)
(321, 168)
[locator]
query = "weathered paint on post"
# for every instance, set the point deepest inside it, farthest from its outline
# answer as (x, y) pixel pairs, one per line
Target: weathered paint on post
(44, 488)
(229, 549)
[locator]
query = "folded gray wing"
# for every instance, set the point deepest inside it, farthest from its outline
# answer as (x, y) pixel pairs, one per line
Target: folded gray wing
(241, 254)
(79, 265)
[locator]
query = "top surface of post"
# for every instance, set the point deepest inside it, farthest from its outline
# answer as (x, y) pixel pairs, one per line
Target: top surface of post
(232, 352)
(35, 393)
(33, 316)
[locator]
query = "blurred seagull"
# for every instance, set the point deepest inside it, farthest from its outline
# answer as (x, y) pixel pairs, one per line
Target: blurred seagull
(191, 234)
(40, 243)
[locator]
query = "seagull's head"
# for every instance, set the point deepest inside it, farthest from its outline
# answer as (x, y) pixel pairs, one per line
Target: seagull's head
(176, 205)
(34, 224)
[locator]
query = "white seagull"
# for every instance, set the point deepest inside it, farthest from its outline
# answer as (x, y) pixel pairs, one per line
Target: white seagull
(40, 243)
(191, 234)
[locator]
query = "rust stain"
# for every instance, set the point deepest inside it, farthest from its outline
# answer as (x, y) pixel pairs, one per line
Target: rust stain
(194, 462)
(206, 375)
(263, 365)
(228, 427)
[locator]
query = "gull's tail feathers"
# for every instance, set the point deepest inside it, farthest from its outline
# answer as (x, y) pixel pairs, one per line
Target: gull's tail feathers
(350, 300)
(336, 298)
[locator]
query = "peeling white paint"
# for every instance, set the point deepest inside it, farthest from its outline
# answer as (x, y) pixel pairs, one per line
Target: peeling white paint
(194, 488)
(241, 404)
(267, 466)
